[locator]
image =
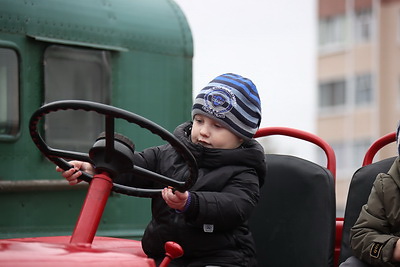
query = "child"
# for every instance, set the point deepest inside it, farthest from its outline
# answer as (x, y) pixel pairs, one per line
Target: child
(210, 220)
(375, 235)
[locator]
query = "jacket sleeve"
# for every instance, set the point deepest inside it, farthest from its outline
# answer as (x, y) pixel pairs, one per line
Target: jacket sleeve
(230, 207)
(371, 236)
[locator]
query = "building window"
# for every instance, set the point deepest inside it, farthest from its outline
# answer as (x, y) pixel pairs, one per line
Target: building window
(350, 155)
(75, 74)
(9, 94)
(363, 89)
(363, 25)
(332, 94)
(332, 31)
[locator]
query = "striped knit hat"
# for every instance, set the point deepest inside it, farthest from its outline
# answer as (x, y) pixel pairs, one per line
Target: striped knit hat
(232, 100)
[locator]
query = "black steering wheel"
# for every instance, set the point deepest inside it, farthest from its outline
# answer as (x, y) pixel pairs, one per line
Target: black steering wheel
(111, 113)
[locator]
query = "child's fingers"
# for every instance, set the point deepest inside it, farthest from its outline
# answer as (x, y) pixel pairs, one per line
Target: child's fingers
(72, 174)
(68, 173)
(74, 178)
(174, 200)
(168, 196)
(180, 195)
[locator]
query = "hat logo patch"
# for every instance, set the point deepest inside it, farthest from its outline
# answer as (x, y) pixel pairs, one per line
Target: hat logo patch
(219, 101)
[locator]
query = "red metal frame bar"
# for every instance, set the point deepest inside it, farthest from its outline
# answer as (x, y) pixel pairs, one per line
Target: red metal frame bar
(329, 152)
(377, 145)
(92, 209)
(338, 239)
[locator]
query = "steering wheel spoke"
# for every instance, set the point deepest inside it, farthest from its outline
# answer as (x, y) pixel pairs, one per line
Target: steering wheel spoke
(158, 177)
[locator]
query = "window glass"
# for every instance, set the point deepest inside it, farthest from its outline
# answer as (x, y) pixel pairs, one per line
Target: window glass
(332, 94)
(363, 94)
(9, 94)
(332, 31)
(363, 25)
(75, 74)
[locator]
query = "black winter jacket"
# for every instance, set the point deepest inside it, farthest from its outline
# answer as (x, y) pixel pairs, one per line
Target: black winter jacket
(214, 228)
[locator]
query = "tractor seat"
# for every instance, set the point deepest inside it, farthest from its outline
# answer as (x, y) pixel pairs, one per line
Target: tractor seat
(294, 222)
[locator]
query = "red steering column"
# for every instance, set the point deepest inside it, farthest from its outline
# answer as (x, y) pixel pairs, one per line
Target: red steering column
(92, 209)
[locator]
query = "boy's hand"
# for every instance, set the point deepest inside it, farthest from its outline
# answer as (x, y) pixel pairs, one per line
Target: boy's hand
(396, 252)
(72, 174)
(175, 199)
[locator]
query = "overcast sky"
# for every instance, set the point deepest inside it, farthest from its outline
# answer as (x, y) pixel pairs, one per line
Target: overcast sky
(271, 42)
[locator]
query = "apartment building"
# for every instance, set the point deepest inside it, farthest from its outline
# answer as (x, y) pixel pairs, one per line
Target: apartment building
(358, 80)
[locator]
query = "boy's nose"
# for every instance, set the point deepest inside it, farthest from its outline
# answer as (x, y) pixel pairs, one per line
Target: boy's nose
(204, 131)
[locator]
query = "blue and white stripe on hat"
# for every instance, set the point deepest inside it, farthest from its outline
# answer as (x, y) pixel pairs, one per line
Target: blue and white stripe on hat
(234, 101)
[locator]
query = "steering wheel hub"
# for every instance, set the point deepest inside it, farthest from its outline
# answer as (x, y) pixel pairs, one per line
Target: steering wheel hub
(118, 160)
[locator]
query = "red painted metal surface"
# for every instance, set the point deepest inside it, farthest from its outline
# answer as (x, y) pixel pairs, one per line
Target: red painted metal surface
(92, 209)
(82, 248)
(56, 251)
(376, 146)
(330, 154)
(173, 250)
(338, 239)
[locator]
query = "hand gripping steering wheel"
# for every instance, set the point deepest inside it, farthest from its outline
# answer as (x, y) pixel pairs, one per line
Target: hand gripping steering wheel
(58, 156)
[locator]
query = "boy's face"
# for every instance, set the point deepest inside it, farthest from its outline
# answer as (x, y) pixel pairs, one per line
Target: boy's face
(210, 133)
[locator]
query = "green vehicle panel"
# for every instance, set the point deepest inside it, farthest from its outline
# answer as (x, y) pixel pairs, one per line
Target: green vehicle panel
(135, 55)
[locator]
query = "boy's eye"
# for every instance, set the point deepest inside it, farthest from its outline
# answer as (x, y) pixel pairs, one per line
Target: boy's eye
(217, 125)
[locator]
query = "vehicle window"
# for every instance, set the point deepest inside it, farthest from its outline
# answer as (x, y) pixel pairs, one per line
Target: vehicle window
(75, 74)
(9, 94)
